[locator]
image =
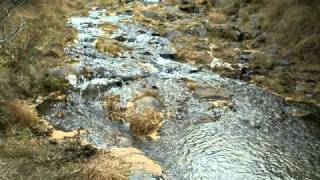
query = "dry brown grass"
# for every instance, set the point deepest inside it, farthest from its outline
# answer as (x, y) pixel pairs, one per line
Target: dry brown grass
(106, 167)
(17, 115)
(108, 28)
(145, 123)
(41, 160)
(191, 84)
(297, 27)
(141, 123)
(115, 113)
(216, 18)
(36, 160)
(25, 60)
(110, 47)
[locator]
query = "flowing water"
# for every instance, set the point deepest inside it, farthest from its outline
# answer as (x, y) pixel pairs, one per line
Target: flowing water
(256, 139)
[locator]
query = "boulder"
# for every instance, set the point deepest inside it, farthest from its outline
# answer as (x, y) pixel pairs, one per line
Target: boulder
(139, 162)
(145, 115)
(147, 102)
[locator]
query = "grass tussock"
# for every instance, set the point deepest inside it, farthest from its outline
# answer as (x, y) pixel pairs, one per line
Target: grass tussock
(106, 167)
(34, 159)
(17, 115)
(108, 28)
(115, 113)
(109, 46)
(187, 49)
(216, 18)
(142, 122)
(145, 123)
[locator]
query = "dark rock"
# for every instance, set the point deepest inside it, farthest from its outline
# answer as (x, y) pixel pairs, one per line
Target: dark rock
(189, 8)
(168, 56)
(147, 53)
(141, 32)
(120, 38)
(131, 39)
(156, 34)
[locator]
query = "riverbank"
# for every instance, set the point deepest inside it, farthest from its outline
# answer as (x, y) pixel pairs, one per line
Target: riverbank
(30, 147)
(240, 39)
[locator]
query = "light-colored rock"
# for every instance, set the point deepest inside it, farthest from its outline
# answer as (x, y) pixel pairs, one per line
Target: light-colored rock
(221, 104)
(147, 102)
(58, 135)
(219, 64)
(218, 93)
(138, 160)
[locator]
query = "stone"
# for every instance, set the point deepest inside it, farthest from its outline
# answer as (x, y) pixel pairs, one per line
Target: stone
(145, 115)
(222, 104)
(64, 71)
(139, 162)
(58, 135)
(219, 64)
(189, 8)
(148, 102)
(215, 93)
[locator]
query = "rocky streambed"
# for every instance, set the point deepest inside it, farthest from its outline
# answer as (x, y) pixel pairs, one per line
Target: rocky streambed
(211, 127)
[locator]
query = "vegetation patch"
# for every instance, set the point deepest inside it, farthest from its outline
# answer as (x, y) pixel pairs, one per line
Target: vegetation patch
(110, 46)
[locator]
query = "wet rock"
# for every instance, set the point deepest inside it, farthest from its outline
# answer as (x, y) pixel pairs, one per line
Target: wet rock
(139, 162)
(94, 90)
(145, 115)
(168, 56)
(147, 53)
(216, 93)
(64, 71)
(148, 100)
(120, 38)
(189, 8)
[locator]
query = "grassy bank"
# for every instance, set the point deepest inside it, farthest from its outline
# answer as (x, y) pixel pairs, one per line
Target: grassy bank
(33, 36)
(294, 37)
